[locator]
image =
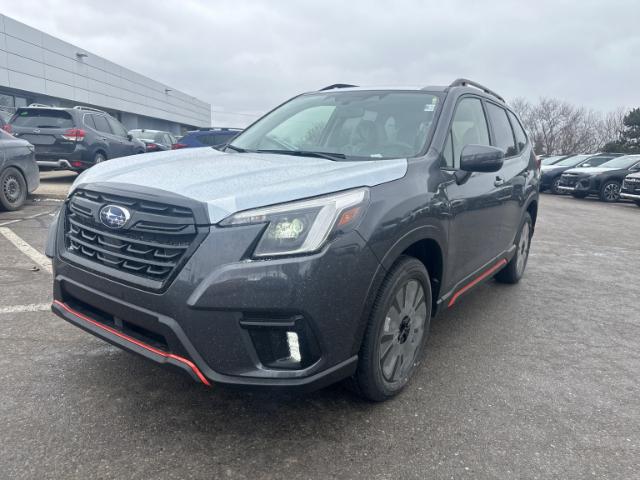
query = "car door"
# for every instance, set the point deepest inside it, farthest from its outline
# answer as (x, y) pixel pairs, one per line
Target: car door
(126, 146)
(510, 180)
(474, 213)
(112, 141)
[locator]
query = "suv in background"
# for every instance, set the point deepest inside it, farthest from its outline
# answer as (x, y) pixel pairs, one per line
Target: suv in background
(314, 248)
(154, 140)
(72, 138)
(211, 137)
(604, 181)
(631, 188)
(550, 179)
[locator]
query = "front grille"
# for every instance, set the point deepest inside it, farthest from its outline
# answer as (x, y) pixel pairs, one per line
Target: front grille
(631, 184)
(151, 245)
(569, 180)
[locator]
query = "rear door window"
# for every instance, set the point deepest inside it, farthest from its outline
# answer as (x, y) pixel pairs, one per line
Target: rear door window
(33, 118)
(501, 130)
(101, 123)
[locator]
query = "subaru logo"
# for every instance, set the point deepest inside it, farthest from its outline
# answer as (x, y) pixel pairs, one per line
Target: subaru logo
(113, 216)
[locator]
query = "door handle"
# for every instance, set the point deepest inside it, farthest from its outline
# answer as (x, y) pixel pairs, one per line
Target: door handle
(498, 182)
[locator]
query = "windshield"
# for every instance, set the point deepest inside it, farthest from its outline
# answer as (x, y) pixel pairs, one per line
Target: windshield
(622, 162)
(551, 160)
(572, 161)
(355, 125)
(150, 135)
(596, 161)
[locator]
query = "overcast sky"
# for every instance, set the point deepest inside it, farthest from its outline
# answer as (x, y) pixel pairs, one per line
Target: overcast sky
(246, 57)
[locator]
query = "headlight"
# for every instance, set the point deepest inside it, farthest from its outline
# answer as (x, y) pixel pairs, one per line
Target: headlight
(304, 226)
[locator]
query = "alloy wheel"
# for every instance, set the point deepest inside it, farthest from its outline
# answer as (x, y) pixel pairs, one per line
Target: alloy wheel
(403, 331)
(11, 188)
(612, 192)
(523, 248)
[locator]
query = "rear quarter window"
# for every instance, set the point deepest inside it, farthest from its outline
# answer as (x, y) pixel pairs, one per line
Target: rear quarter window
(42, 119)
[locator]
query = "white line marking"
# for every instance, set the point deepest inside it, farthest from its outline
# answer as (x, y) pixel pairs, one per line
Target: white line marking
(30, 217)
(32, 307)
(27, 249)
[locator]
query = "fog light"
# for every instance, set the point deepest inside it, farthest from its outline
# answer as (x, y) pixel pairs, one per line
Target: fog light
(282, 343)
(294, 347)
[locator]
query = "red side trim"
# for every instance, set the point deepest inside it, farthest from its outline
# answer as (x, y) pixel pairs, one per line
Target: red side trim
(469, 285)
(121, 335)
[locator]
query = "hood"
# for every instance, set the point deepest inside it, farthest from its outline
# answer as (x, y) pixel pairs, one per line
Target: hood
(590, 170)
(232, 182)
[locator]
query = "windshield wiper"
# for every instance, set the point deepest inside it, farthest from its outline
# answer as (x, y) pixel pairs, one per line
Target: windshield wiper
(235, 149)
(307, 153)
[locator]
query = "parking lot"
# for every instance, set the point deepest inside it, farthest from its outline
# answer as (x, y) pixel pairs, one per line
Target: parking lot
(538, 380)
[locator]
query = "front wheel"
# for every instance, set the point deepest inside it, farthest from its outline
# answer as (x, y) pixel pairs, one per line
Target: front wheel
(610, 191)
(13, 189)
(396, 332)
(554, 187)
(579, 195)
(514, 270)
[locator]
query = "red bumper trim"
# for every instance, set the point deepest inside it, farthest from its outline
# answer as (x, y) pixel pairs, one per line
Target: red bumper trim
(475, 281)
(129, 339)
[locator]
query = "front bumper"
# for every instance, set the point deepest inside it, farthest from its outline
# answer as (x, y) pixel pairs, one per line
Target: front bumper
(630, 196)
(203, 322)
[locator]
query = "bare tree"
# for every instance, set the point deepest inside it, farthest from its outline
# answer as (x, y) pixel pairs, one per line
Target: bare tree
(558, 127)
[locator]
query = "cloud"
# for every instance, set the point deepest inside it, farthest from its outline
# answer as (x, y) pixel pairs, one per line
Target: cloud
(246, 57)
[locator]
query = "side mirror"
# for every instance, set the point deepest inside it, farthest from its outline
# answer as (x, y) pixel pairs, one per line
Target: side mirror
(129, 137)
(481, 158)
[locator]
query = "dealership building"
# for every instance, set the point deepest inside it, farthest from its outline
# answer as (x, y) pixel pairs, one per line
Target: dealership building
(38, 68)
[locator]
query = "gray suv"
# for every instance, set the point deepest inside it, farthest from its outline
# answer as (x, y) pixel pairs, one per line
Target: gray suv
(72, 138)
(314, 248)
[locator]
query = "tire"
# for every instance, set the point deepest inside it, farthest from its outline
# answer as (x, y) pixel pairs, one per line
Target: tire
(638, 203)
(99, 157)
(553, 188)
(514, 270)
(579, 195)
(396, 333)
(13, 189)
(610, 191)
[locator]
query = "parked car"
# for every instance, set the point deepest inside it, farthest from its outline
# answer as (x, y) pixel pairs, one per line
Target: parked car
(4, 120)
(315, 247)
(551, 173)
(18, 171)
(631, 188)
(154, 140)
(72, 138)
(210, 137)
(604, 181)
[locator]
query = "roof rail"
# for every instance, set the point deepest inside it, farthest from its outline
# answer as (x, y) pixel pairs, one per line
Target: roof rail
(336, 85)
(463, 82)
(91, 109)
(39, 105)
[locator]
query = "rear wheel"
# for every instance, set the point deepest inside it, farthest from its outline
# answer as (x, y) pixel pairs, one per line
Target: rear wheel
(99, 157)
(396, 332)
(514, 270)
(13, 189)
(610, 191)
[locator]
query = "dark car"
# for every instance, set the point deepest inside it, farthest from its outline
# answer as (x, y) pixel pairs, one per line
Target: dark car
(551, 174)
(604, 181)
(211, 137)
(18, 171)
(72, 138)
(631, 188)
(315, 247)
(154, 140)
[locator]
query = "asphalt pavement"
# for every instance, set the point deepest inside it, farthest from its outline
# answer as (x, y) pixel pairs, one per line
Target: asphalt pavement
(535, 381)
